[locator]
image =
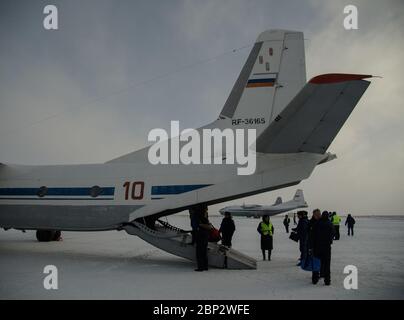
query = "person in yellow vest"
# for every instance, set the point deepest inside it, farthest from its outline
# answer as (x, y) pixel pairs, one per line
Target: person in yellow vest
(336, 220)
(266, 230)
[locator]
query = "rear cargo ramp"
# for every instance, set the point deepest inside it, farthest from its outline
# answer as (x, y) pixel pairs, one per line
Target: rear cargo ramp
(178, 242)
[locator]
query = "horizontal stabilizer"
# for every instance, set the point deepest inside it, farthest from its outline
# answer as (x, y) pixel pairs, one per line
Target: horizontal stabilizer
(313, 118)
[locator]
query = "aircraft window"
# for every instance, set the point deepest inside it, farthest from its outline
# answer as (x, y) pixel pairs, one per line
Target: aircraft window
(261, 59)
(95, 191)
(42, 191)
(267, 66)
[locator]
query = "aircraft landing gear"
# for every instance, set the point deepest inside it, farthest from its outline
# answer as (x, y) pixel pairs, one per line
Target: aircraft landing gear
(48, 235)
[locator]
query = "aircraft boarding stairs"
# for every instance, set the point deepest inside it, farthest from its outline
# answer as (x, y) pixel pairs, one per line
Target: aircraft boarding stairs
(177, 242)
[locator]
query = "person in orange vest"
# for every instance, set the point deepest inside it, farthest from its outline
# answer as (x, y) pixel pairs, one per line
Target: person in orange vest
(266, 230)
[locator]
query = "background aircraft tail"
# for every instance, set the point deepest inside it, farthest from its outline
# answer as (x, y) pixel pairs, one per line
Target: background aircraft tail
(299, 196)
(278, 201)
(273, 74)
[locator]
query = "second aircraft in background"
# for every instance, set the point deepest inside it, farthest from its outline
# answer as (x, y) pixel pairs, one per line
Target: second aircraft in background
(256, 210)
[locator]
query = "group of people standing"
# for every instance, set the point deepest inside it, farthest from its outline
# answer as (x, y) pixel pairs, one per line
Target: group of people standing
(333, 217)
(315, 239)
(315, 236)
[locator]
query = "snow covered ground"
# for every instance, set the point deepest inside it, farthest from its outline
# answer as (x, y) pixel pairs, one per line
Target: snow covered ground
(115, 265)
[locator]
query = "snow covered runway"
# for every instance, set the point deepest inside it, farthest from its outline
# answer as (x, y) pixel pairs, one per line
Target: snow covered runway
(115, 265)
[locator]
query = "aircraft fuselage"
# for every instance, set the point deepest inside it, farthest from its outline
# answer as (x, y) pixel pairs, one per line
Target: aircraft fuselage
(106, 196)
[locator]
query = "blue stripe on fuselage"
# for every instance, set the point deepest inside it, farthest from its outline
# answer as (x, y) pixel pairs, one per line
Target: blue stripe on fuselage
(80, 191)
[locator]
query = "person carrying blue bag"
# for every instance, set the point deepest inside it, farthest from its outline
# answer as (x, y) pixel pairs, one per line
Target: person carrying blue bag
(311, 263)
(302, 231)
(320, 239)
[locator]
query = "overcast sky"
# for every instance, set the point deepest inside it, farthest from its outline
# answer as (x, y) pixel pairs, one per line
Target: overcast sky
(92, 90)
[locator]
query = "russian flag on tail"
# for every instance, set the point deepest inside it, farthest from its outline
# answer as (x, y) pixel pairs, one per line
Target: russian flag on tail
(258, 80)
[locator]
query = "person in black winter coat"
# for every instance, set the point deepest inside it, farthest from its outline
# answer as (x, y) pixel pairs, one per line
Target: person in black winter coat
(350, 221)
(227, 229)
(194, 217)
(201, 238)
(321, 237)
(302, 231)
(286, 223)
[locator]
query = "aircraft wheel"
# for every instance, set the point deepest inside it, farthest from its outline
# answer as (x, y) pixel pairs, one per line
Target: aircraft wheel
(57, 235)
(45, 235)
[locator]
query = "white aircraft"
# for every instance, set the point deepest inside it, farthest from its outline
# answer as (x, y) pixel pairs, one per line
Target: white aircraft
(295, 124)
(256, 210)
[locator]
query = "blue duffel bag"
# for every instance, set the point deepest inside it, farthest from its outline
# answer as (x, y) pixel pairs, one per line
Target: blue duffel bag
(311, 264)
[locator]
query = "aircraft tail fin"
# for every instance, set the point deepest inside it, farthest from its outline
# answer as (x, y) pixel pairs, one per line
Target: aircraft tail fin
(299, 196)
(275, 71)
(278, 201)
(273, 74)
